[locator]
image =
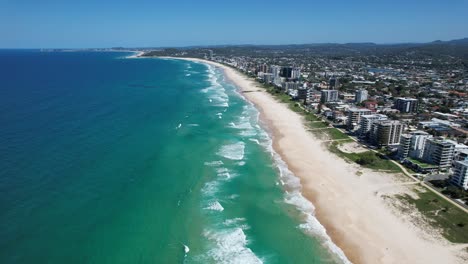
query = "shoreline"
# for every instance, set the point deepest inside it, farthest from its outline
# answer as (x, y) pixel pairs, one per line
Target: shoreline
(352, 208)
(136, 55)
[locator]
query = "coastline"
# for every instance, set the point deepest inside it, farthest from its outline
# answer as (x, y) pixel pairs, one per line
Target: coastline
(352, 208)
(136, 55)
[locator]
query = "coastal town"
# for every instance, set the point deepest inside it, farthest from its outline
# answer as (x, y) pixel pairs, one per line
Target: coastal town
(413, 112)
(401, 113)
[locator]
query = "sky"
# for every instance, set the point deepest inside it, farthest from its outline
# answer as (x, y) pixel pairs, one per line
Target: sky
(157, 23)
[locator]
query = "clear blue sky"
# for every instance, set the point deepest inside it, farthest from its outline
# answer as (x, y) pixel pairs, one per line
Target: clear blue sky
(101, 23)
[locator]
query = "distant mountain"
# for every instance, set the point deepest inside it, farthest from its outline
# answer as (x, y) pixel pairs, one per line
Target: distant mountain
(462, 41)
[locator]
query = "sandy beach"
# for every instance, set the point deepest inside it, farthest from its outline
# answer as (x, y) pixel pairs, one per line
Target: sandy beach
(351, 206)
(136, 55)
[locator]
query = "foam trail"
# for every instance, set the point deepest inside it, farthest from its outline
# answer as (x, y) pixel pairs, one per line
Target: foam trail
(233, 151)
(294, 197)
(215, 206)
(231, 247)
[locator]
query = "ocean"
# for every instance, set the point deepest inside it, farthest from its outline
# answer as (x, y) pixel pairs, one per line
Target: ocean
(105, 159)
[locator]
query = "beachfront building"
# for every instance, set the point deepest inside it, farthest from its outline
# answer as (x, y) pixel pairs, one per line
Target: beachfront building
(275, 70)
(385, 132)
(329, 96)
(412, 145)
(439, 152)
(461, 155)
(289, 86)
(404, 147)
(302, 93)
(460, 174)
(266, 77)
(361, 96)
(264, 68)
(313, 96)
(406, 105)
(366, 123)
(354, 117)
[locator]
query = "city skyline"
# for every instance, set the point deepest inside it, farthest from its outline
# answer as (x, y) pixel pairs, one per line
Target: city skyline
(69, 24)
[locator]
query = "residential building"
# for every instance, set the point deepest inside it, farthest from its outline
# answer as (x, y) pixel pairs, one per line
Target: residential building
(333, 83)
(329, 96)
(439, 152)
(289, 86)
(361, 96)
(275, 70)
(295, 73)
(371, 105)
(286, 72)
(404, 147)
(412, 145)
(267, 77)
(365, 124)
(347, 97)
(460, 174)
(385, 132)
(406, 105)
(302, 93)
(313, 96)
(461, 155)
(354, 117)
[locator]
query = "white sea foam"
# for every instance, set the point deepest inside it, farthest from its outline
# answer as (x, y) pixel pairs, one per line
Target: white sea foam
(223, 173)
(231, 247)
(188, 74)
(210, 188)
(193, 125)
(294, 196)
(233, 151)
(234, 221)
(215, 206)
(216, 92)
(241, 163)
(244, 123)
(254, 140)
(214, 163)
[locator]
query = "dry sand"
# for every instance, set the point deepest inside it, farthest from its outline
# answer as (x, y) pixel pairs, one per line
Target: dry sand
(351, 205)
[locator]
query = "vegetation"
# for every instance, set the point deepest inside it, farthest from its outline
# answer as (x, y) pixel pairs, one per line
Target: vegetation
(335, 134)
(452, 221)
(420, 163)
(368, 159)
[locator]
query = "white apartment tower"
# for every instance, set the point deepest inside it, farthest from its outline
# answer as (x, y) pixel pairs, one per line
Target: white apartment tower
(460, 174)
(361, 96)
(439, 152)
(354, 117)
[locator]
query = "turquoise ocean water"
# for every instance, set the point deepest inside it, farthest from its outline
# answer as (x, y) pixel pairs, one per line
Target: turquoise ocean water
(105, 159)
